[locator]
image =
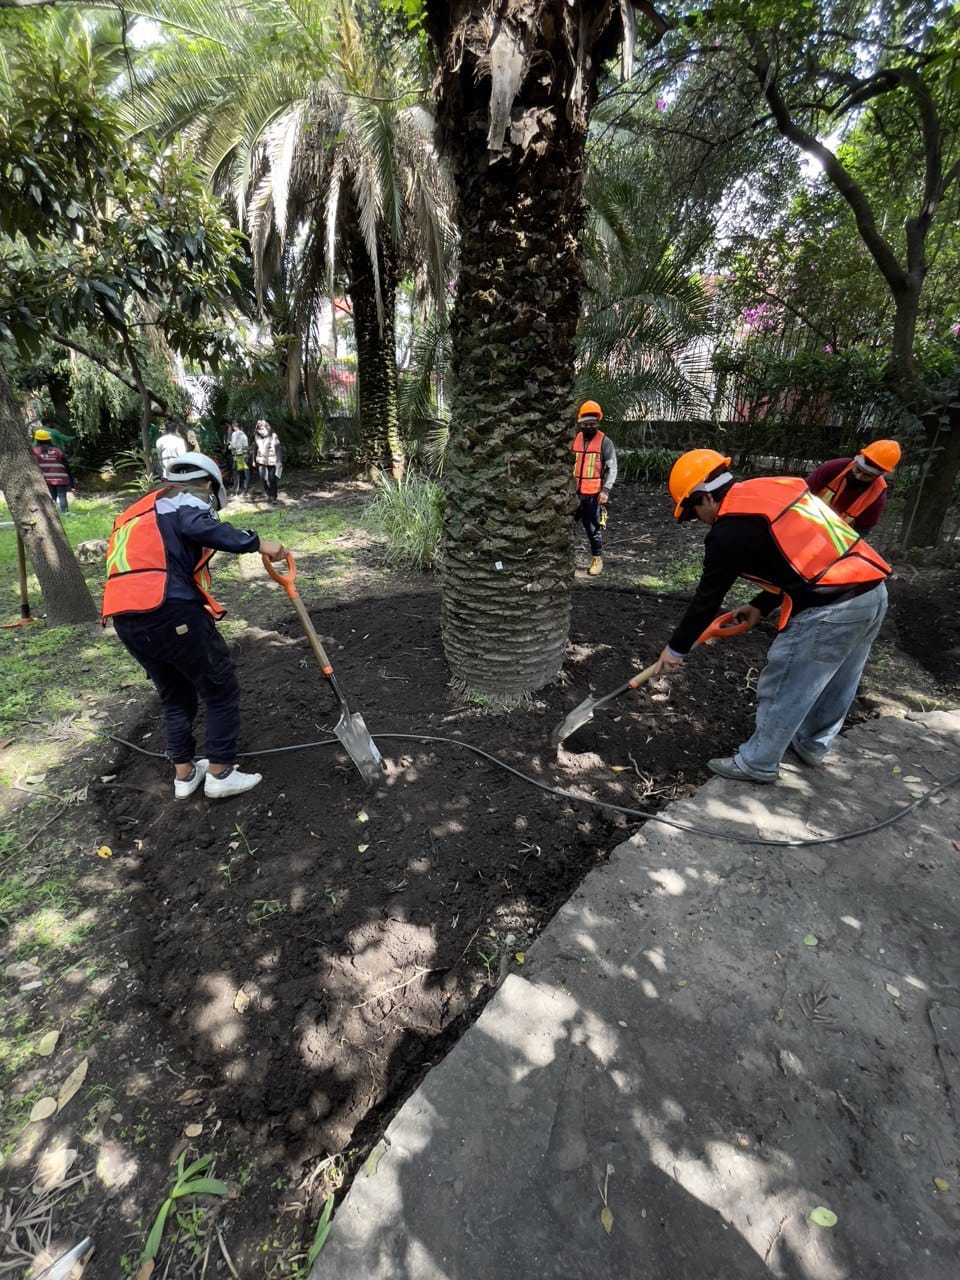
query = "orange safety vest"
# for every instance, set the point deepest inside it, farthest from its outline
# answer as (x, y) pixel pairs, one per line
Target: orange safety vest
(137, 571)
(587, 464)
(838, 486)
(817, 543)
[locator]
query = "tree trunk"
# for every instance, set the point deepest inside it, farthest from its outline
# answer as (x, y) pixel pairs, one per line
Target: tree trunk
(379, 447)
(66, 597)
(517, 160)
(932, 491)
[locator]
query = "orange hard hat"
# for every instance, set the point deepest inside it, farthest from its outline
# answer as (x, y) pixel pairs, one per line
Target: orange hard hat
(884, 454)
(590, 409)
(690, 470)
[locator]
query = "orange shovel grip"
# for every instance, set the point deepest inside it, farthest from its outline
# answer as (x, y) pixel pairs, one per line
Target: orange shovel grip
(287, 579)
(723, 627)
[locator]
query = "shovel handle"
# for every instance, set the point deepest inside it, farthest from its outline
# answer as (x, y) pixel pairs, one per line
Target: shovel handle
(286, 581)
(641, 677)
(633, 683)
(728, 624)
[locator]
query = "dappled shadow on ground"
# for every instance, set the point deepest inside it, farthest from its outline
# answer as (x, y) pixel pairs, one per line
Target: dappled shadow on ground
(313, 947)
(713, 1040)
(286, 967)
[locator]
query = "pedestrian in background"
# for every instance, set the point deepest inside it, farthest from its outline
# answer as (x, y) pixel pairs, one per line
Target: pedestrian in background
(269, 457)
(53, 467)
(239, 446)
(855, 487)
(170, 444)
(594, 471)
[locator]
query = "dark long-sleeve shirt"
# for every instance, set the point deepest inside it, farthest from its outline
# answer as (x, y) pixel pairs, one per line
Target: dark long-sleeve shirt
(740, 546)
(187, 525)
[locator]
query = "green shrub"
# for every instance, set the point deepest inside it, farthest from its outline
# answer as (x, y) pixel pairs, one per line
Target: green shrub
(408, 512)
(651, 464)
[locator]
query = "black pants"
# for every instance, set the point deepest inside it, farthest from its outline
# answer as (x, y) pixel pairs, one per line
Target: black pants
(185, 656)
(268, 476)
(588, 513)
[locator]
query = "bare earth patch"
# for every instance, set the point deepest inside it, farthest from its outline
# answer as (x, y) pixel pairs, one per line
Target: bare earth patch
(280, 970)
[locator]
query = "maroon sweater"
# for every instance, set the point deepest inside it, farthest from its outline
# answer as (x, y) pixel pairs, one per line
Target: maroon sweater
(827, 471)
(53, 465)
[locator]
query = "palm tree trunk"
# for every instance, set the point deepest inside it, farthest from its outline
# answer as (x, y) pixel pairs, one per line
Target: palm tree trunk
(66, 597)
(379, 446)
(507, 555)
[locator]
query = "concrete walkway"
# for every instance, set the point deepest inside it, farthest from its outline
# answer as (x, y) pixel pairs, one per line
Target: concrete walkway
(713, 1039)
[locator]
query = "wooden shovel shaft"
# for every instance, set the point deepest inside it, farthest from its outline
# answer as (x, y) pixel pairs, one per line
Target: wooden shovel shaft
(633, 683)
(310, 631)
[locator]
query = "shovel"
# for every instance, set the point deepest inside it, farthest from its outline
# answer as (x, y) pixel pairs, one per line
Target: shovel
(350, 728)
(728, 624)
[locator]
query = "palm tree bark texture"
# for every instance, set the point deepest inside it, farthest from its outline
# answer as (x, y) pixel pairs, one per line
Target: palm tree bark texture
(66, 597)
(515, 86)
(379, 446)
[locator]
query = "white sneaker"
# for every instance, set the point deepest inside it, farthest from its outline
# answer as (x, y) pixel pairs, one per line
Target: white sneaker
(231, 783)
(183, 788)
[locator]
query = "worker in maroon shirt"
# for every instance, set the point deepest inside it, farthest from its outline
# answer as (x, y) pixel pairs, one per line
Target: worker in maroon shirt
(855, 487)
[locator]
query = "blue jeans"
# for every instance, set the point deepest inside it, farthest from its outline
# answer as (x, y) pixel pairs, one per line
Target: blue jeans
(185, 656)
(811, 678)
(588, 513)
(58, 492)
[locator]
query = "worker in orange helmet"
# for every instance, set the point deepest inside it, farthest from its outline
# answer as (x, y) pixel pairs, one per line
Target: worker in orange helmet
(855, 487)
(594, 473)
(828, 583)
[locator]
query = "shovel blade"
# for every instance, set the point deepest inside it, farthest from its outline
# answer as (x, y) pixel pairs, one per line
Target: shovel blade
(360, 747)
(574, 721)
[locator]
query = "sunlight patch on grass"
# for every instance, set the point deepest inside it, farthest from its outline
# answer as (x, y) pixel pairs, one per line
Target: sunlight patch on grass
(49, 675)
(49, 929)
(677, 575)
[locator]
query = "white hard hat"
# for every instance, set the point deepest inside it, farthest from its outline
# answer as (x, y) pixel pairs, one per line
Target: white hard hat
(197, 466)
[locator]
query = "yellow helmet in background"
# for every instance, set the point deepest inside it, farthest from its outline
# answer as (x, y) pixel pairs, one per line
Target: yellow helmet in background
(42, 435)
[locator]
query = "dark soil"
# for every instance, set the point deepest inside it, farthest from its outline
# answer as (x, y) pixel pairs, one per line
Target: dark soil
(294, 960)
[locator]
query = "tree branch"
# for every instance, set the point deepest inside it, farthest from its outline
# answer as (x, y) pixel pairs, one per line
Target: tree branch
(847, 187)
(104, 361)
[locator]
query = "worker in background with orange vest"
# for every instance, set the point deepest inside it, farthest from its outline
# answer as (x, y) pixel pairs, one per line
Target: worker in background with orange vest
(855, 487)
(157, 593)
(828, 583)
(594, 472)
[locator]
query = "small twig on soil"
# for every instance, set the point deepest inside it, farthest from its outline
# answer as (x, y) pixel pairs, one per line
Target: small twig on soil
(35, 791)
(470, 943)
(53, 817)
(397, 987)
(226, 1256)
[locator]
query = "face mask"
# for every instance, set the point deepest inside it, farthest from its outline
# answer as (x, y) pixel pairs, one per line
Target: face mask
(589, 432)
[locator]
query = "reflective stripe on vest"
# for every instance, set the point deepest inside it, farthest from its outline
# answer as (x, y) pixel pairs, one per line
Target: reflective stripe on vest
(137, 571)
(52, 465)
(837, 487)
(587, 463)
(818, 545)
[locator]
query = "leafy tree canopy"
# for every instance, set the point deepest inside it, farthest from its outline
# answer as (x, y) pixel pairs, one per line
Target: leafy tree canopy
(98, 234)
